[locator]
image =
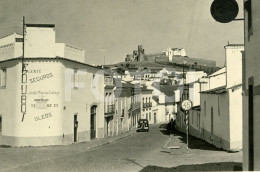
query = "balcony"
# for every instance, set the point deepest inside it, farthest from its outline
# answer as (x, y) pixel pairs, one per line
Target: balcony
(147, 105)
(135, 106)
(110, 110)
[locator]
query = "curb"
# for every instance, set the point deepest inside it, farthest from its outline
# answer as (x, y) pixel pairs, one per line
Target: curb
(113, 140)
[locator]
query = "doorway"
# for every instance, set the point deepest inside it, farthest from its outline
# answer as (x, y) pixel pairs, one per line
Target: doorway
(93, 122)
(75, 128)
(154, 118)
(212, 121)
(250, 125)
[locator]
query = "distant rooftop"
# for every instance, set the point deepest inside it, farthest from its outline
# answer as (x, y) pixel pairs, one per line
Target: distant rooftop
(40, 25)
(234, 45)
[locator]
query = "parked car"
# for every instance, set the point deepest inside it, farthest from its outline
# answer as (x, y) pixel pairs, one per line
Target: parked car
(143, 125)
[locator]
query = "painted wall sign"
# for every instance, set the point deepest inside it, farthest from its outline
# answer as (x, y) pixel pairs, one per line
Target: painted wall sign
(41, 103)
(43, 91)
(40, 78)
(23, 89)
(44, 106)
(34, 71)
(50, 92)
(44, 116)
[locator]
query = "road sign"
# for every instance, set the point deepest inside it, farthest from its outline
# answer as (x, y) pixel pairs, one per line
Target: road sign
(186, 105)
(224, 11)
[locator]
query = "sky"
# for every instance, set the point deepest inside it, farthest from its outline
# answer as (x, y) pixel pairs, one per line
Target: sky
(110, 29)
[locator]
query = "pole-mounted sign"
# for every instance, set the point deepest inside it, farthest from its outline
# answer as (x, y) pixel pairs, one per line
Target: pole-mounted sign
(224, 11)
(186, 105)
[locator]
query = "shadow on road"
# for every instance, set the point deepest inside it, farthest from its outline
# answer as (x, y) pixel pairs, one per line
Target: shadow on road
(194, 143)
(219, 166)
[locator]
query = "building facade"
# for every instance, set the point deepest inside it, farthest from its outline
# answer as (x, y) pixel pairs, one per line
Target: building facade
(216, 116)
(109, 105)
(251, 82)
(146, 105)
(56, 100)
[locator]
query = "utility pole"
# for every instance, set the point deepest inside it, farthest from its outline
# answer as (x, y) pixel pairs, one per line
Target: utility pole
(23, 35)
(23, 79)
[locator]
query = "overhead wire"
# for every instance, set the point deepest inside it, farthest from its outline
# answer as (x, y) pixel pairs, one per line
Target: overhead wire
(48, 7)
(192, 23)
(197, 23)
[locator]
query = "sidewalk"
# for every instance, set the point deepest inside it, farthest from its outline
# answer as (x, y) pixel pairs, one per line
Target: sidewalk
(200, 155)
(19, 156)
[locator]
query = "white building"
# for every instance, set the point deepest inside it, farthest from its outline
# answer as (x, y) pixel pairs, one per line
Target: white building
(164, 102)
(194, 88)
(49, 97)
(221, 103)
(170, 52)
(146, 104)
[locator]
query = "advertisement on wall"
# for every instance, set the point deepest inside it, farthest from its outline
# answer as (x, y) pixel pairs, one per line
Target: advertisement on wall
(41, 93)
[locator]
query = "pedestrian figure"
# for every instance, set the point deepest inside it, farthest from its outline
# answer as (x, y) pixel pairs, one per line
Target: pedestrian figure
(171, 125)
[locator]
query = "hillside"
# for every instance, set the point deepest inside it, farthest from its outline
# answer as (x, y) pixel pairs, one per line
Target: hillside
(160, 65)
(144, 64)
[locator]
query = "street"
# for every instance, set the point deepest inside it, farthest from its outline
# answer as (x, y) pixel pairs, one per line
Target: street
(141, 151)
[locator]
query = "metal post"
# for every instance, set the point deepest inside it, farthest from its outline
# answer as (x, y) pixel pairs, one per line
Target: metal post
(187, 129)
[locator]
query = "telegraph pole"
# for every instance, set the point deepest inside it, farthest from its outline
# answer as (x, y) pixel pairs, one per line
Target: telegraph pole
(23, 34)
(23, 78)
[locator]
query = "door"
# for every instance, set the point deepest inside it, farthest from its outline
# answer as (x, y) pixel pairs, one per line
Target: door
(212, 121)
(75, 128)
(93, 122)
(250, 125)
(116, 127)
(107, 119)
(154, 118)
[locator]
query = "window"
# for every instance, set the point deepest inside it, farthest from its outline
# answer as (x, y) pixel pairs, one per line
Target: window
(198, 119)
(76, 78)
(248, 7)
(116, 106)
(205, 108)
(3, 77)
(146, 116)
(192, 117)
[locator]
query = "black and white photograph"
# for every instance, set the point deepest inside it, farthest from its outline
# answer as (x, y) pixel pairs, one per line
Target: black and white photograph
(129, 85)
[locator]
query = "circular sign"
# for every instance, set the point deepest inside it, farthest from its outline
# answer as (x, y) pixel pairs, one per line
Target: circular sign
(224, 11)
(186, 105)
